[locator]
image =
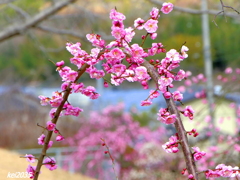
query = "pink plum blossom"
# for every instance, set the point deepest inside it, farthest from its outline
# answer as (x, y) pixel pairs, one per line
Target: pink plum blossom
(177, 96)
(77, 87)
(237, 70)
(200, 76)
(116, 23)
(60, 63)
(138, 23)
(31, 170)
(190, 177)
(154, 94)
(188, 82)
(50, 163)
(52, 112)
(118, 69)
(141, 73)
(64, 86)
(118, 33)
(44, 100)
(89, 91)
(71, 76)
(188, 112)
(225, 171)
(155, 49)
(96, 40)
(164, 81)
(172, 145)
(228, 70)
(144, 84)
(182, 89)
(114, 15)
(184, 49)
(151, 26)
(74, 49)
(167, 95)
(212, 174)
(130, 33)
(146, 103)
(154, 13)
(70, 110)
(97, 74)
(105, 84)
(56, 99)
(174, 56)
(117, 53)
(116, 80)
(59, 138)
(50, 126)
(77, 61)
(50, 144)
(41, 139)
(169, 119)
(137, 53)
(180, 75)
(30, 158)
(153, 36)
(167, 8)
(166, 117)
(197, 155)
(222, 170)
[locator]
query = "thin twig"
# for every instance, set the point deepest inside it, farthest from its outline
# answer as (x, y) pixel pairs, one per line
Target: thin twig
(110, 155)
(224, 13)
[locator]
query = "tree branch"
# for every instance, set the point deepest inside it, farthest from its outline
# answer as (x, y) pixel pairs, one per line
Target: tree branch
(61, 31)
(54, 120)
(6, 1)
(224, 13)
(18, 28)
(69, 32)
(190, 164)
(194, 11)
(19, 10)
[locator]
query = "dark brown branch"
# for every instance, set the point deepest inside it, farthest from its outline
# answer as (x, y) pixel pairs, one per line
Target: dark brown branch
(223, 10)
(54, 120)
(190, 164)
(224, 13)
(18, 28)
(224, 6)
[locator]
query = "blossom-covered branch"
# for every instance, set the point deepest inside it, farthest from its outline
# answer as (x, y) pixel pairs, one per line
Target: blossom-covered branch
(114, 56)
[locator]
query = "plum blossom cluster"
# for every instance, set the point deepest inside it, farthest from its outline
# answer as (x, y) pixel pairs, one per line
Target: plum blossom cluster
(188, 112)
(166, 117)
(193, 132)
(114, 54)
(172, 145)
(222, 170)
(121, 138)
(197, 154)
(124, 61)
(49, 163)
